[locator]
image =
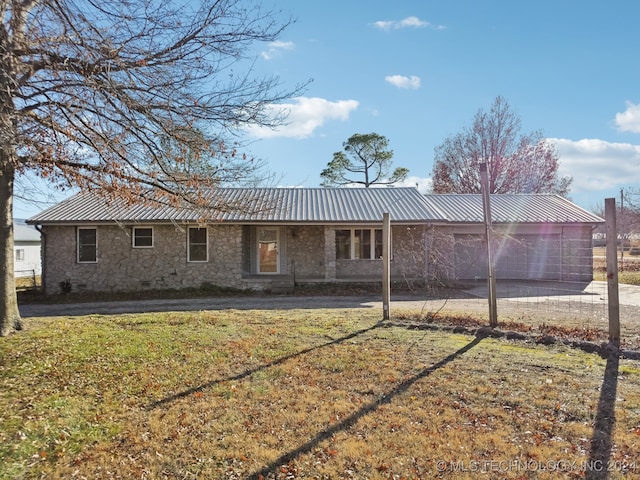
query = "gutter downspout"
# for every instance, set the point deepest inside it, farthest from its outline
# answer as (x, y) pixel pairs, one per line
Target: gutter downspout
(43, 243)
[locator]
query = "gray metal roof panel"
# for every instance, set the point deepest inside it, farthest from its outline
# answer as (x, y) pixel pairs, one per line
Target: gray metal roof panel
(321, 205)
(326, 205)
(512, 208)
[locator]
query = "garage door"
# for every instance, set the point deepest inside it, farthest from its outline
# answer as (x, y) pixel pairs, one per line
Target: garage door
(517, 257)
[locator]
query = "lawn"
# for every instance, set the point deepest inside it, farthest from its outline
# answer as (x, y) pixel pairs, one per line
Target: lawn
(306, 394)
(628, 267)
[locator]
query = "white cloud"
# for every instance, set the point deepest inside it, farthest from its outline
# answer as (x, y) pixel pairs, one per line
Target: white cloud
(276, 48)
(409, 22)
(304, 116)
(629, 120)
(422, 184)
(597, 165)
(401, 81)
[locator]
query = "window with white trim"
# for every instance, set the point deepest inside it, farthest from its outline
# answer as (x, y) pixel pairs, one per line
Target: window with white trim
(20, 255)
(87, 245)
(358, 243)
(197, 250)
(142, 237)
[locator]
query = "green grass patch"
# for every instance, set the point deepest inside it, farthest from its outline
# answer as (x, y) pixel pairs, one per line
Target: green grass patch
(302, 394)
(627, 278)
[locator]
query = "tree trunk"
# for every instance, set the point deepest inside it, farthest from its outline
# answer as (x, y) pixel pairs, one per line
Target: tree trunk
(9, 313)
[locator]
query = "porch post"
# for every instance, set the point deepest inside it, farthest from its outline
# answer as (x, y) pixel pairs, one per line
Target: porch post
(329, 254)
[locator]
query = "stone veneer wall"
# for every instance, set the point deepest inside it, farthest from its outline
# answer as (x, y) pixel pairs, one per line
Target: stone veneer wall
(120, 267)
(439, 254)
(407, 262)
(576, 262)
(306, 252)
(577, 254)
(329, 250)
(408, 256)
(310, 255)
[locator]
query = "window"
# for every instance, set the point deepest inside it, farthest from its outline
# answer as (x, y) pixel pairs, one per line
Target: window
(197, 248)
(343, 244)
(377, 247)
(20, 255)
(358, 243)
(362, 243)
(87, 245)
(142, 237)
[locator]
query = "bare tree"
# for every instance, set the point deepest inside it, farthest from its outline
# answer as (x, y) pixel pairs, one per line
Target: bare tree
(188, 153)
(89, 91)
(631, 203)
(628, 216)
(515, 163)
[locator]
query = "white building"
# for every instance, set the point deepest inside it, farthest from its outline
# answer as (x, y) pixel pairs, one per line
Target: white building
(27, 259)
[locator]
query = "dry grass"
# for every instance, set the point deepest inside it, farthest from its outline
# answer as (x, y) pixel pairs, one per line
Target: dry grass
(305, 394)
(27, 283)
(628, 267)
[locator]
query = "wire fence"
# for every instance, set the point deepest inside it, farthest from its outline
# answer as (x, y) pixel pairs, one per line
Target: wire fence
(27, 279)
(551, 291)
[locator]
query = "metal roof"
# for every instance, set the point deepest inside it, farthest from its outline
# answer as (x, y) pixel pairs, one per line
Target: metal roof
(324, 205)
(284, 205)
(512, 208)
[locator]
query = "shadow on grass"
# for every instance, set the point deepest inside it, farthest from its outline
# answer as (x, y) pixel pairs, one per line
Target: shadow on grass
(353, 418)
(247, 373)
(602, 438)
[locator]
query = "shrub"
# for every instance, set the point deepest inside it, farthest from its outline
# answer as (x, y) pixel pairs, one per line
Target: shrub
(65, 286)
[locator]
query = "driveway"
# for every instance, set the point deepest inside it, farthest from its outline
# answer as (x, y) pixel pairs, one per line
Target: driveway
(240, 302)
(595, 291)
(628, 295)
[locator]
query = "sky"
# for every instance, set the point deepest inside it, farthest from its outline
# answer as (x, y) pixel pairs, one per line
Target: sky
(417, 71)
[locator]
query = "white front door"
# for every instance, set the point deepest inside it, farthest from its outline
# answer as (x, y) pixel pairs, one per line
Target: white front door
(268, 252)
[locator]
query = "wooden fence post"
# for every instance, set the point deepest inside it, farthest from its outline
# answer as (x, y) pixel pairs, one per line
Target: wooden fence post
(491, 280)
(612, 271)
(386, 265)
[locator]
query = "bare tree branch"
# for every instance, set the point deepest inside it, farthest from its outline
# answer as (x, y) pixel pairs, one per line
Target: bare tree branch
(91, 92)
(515, 163)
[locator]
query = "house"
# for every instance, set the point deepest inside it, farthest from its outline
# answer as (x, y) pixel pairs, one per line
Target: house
(271, 238)
(26, 248)
(536, 237)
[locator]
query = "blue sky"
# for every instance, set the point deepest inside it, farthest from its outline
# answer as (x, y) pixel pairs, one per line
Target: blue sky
(418, 71)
